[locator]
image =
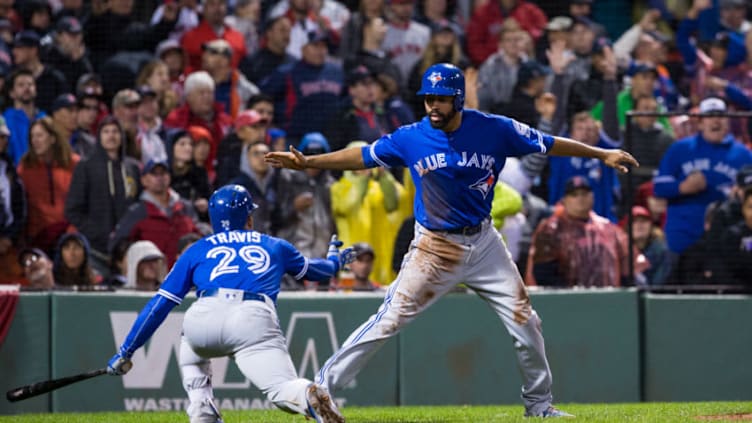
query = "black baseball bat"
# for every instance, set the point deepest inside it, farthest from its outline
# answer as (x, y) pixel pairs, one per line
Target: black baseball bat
(39, 388)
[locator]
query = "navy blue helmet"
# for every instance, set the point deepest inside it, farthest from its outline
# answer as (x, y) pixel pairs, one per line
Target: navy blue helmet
(444, 79)
(229, 208)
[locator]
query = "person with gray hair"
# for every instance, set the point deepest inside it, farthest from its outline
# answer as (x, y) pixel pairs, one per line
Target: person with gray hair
(200, 109)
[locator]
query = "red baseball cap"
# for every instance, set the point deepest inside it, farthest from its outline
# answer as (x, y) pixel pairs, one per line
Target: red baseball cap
(247, 118)
(639, 211)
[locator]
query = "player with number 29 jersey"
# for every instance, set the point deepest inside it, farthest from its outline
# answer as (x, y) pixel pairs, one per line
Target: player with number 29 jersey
(218, 261)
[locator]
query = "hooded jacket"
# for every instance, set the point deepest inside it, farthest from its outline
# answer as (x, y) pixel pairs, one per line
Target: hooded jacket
(138, 252)
(67, 277)
(100, 193)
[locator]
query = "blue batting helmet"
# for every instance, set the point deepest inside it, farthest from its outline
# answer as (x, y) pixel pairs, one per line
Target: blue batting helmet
(229, 208)
(444, 79)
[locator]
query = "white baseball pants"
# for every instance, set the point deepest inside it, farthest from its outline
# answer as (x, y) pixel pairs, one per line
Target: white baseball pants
(435, 263)
(248, 331)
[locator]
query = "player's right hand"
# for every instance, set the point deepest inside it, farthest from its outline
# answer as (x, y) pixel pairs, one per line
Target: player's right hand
(293, 159)
(343, 257)
(119, 365)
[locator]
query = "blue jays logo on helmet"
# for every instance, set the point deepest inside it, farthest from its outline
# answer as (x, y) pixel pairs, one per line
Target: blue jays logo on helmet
(444, 79)
(229, 208)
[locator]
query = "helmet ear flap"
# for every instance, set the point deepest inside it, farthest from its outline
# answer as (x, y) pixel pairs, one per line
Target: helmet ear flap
(459, 102)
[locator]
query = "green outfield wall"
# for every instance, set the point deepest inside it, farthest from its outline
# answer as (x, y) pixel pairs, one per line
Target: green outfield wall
(603, 346)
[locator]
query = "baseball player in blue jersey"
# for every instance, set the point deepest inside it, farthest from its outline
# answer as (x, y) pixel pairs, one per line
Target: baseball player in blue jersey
(236, 272)
(454, 155)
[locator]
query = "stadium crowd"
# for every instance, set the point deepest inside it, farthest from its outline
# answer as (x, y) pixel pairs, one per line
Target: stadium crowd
(119, 118)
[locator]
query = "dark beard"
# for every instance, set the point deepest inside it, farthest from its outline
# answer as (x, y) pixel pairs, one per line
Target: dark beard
(444, 119)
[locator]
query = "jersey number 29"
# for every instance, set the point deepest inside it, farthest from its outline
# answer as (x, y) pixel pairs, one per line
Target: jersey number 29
(256, 257)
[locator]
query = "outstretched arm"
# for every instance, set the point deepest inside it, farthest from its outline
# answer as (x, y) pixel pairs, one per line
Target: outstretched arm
(345, 159)
(618, 159)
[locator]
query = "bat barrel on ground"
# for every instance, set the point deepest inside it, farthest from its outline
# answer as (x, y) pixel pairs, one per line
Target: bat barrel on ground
(39, 388)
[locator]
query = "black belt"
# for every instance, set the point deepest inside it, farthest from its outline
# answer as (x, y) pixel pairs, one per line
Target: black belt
(466, 230)
(247, 295)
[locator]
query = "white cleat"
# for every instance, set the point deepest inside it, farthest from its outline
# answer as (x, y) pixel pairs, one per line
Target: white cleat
(205, 412)
(321, 407)
(551, 412)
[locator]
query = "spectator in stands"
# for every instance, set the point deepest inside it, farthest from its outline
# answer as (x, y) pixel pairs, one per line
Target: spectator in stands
(306, 92)
(304, 18)
(439, 13)
(160, 215)
(155, 75)
(277, 140)
(357, 117)
(263, 105)
(49, 81)
(580, 9)
(643, 77)
(12, 212)
(202, 147)
(487, 21)
(145, 266)
(387, 98)
(405, 39)
(602, 180)
(151, 134)
(117, 265)
(232, 89)
(365, 205)
(308, 204)
(212, 27)
(733, 14)
(497, 74)
(650, 241)
(71, 266)
(601, 86)
(200, 109)
(246, 19)
(359, 276)
(353, 32)
(697, 171)
(172, 54)
(47, 169)
(443, 47)
(191, 182)
(36, 15)
(372, 54)
(114, 28)
(90, 85)
(68, 53)
(186, 241)
(571, 60)
(37, 268)
(250, 128)
(103, 186)
(64, 111)
(649, 141)
(22, 92)
(272, 54)
(188, 17)
(736, 247)
(86, 118)
(125, 106)
(577, 247)
(523, 104)
(265, 184)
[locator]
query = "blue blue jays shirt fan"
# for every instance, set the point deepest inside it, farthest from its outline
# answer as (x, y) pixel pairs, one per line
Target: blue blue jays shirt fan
(246, 260)
(455, 173)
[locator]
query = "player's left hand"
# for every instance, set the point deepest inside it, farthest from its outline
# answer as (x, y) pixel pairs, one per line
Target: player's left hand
(343, 257)
(293, 159)
(119, 365)
(618, 159)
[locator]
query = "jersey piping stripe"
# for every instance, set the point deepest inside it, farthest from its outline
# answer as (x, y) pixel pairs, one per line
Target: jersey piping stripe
(170, 296)
(377, 318)
(304, 270)
(372, 152)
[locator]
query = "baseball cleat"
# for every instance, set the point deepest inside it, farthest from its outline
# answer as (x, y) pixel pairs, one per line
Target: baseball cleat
(321, 407)
(205, 412)
(550, 412)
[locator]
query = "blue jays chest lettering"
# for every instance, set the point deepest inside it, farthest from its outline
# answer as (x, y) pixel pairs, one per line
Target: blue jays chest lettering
(464, 160)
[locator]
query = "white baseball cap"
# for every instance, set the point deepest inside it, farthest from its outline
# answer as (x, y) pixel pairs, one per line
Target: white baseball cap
(712, 105)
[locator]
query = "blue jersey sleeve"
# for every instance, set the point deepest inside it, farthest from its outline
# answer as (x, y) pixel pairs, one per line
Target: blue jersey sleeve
(384, 152)
(178, 282)
(301, 267)
(520, 139)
